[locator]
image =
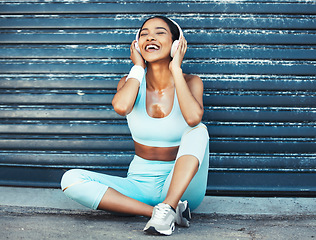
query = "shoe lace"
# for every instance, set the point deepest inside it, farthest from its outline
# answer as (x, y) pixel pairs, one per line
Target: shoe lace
(162, 211)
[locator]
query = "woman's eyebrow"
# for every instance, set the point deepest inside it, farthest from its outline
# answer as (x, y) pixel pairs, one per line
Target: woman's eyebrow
(161, 28)
(145, 29)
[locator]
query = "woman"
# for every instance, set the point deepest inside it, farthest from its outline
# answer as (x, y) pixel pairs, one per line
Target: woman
(164, 108)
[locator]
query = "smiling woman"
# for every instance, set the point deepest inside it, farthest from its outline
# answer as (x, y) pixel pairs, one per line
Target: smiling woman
(164, 108)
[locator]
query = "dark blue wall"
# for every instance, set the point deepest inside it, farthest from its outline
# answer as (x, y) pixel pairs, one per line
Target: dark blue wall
(60, 63)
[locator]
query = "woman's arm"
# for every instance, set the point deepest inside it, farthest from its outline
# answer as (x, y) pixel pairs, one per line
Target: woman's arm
(189, 89)
(124, 99)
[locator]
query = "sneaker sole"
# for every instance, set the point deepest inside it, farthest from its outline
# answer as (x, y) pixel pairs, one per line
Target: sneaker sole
(152, 230)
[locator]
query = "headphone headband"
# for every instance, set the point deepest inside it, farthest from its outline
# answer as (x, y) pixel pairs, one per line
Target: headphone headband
(174, 22)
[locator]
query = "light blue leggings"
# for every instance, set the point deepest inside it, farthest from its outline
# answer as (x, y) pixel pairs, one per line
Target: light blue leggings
(147, 180)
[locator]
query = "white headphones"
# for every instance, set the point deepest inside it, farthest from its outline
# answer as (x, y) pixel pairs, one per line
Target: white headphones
(174, 46)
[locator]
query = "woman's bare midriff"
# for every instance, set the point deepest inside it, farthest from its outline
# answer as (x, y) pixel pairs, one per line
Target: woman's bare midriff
(156, 153)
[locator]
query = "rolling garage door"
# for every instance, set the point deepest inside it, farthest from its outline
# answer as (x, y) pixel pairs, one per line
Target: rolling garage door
(60, 62)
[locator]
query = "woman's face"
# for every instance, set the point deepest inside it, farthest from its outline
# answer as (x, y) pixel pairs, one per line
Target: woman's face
(155, 40)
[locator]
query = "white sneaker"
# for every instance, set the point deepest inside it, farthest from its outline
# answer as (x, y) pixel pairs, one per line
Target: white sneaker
(162, 220)
(183, 214)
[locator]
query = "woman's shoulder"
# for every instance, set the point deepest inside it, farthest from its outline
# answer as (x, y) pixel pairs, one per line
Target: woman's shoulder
(191, 78)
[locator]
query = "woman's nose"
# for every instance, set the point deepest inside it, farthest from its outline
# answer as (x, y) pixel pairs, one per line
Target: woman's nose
(150, 38)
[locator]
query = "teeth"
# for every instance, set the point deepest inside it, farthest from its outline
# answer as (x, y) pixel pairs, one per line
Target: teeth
(152, 46)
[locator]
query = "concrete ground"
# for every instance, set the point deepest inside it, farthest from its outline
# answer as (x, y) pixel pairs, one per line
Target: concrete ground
(37, 213)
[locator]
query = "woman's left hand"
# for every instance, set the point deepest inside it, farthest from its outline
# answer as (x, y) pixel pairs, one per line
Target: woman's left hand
(179, 55)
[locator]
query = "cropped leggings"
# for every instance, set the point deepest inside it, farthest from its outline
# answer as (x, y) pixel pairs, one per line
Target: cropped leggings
(147, 180)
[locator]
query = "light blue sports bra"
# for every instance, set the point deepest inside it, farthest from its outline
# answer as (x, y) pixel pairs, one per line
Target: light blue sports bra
(155, 132)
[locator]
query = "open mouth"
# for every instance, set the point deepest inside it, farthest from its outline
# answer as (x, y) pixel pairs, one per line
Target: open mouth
(152, 47)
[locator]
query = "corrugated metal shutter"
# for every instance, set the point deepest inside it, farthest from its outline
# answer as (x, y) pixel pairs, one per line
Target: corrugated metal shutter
(60, 62)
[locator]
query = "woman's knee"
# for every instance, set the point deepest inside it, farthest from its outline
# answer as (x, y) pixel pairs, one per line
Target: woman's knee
(195, 142)
(70, 177)
(198, 132)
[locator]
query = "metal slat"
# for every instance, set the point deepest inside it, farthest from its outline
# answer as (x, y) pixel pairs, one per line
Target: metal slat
(259, 82)
(64, 127)
(38, 98)
(254, 114)
(165, 7)
(249, 147)
(107, 21)
(301, 161)
(262, 99)
(267, 129)
(219, 145)
(122, 67)
(212, 82)
(233, 160)
(233, 51)
(210, 113)
(59, 81)
(69, 144)
(217, 98)
(76, 113)
(60, 159)
(45, 176)
(263, 183)
(215, 129)
(207, 36)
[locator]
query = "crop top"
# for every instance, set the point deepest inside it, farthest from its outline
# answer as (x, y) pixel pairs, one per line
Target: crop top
(155, 132)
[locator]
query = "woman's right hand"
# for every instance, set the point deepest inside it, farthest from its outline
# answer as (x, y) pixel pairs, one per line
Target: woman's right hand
(136, 57)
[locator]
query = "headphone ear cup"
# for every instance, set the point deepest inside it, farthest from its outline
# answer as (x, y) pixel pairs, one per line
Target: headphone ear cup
(137, 47)
(174, 47)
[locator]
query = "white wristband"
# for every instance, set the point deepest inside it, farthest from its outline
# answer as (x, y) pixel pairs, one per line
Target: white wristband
(136, 72)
